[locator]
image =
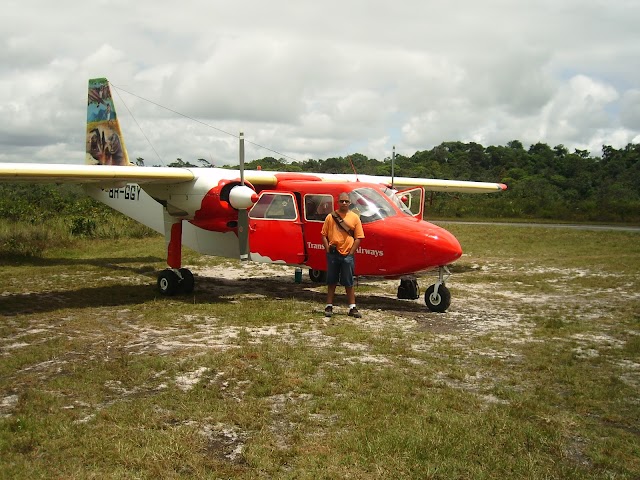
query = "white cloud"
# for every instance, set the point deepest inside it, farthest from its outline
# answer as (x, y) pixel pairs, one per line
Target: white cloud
(630, 110)
(311, 79)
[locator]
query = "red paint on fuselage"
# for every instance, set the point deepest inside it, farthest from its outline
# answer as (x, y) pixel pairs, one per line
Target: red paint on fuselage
(392, 246)
(395, 245)
(215, 213)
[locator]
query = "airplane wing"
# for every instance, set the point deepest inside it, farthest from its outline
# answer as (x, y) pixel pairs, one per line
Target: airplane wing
(112, 175)
(106, 175)
(431, 184)
(102, 175)
(437, 185)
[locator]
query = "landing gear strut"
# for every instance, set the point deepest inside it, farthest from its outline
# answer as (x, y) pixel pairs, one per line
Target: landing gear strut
(437, 297)
(174, 279)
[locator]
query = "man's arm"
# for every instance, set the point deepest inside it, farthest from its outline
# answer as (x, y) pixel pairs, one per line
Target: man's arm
(325, 242)
(325, 232)
(354, 247)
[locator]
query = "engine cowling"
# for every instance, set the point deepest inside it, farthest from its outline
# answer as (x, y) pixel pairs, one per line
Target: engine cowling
(219, 209)
(242, 196)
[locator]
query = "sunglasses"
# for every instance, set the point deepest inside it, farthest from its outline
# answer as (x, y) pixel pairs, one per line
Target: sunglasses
(344, 201)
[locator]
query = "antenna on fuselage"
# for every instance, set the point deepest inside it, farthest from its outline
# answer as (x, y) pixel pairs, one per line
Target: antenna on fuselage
(393, 166)
(353, 167)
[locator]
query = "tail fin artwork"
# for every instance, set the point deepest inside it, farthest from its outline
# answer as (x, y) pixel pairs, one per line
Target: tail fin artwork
(105, 144)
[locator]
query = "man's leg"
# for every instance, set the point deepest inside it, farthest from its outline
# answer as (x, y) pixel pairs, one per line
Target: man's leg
(351, 295)
(333, 276)
(348, 269)
(331, 290)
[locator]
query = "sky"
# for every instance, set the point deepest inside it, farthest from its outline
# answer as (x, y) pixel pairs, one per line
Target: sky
(307, 79)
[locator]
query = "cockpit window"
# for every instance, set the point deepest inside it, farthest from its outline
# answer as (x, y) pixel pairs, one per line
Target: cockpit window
(396, 200)
(370, 205)
(316, 207)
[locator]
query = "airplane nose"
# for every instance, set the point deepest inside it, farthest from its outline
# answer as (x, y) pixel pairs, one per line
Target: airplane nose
(442, 247)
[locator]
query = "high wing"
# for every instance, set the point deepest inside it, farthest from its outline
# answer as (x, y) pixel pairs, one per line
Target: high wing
(110, 175)
(432, 184)
(102, 175)
(107, 175)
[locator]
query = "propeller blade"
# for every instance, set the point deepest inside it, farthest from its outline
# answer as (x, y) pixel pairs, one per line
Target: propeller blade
(243, 234)
(243, 214)
(241, 137)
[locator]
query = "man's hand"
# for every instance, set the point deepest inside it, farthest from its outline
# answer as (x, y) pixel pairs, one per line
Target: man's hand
(325, 242)
(354, 248)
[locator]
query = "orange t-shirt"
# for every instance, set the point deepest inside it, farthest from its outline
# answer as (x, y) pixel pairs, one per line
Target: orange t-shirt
(336, 234)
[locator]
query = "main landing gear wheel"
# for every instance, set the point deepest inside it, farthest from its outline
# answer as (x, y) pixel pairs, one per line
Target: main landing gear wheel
(317, 276)
(171, 282)
(437, 301)
(168, 282)
(187, 284)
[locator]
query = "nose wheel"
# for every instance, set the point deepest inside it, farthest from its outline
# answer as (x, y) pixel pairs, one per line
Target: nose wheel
(437, 300)
(438, 297)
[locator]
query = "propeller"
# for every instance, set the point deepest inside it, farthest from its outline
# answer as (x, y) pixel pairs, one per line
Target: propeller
(242, 198)
(243, 213)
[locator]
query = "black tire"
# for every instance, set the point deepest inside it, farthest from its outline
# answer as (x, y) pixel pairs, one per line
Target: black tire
(440, 302)
(187, 283)
(317, 276)
(168, 282)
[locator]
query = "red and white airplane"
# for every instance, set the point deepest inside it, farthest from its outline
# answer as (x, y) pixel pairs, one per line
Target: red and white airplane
(270, 217)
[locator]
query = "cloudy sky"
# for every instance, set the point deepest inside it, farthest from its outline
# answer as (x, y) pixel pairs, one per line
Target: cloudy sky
(316, 79)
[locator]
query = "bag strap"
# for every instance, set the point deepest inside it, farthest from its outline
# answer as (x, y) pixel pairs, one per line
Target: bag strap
(339, 220)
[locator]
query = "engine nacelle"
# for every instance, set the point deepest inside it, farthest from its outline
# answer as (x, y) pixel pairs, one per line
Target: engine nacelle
(219, 209)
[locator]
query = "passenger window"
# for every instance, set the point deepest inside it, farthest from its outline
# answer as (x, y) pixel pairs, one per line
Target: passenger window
(317, 207)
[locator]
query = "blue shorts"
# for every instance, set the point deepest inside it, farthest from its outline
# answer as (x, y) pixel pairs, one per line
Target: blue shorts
(340, 269)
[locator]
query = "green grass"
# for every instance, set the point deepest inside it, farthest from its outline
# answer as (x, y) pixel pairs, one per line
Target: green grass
(533, 373)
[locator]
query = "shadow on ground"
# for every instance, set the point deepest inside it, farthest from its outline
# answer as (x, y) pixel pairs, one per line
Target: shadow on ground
(207, 290)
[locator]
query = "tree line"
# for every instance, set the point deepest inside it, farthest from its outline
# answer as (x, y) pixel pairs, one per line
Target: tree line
(543, 182)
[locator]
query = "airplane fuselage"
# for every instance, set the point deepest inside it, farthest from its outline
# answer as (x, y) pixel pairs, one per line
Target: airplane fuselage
(285, 222)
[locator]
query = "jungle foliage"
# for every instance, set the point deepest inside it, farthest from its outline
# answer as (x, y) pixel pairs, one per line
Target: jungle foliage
(38, 217)
(543, 182)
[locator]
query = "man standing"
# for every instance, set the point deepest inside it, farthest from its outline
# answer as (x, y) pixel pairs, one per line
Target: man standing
(341, 235)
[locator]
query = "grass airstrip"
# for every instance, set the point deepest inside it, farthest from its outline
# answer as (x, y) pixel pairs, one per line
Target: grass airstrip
(534, 372)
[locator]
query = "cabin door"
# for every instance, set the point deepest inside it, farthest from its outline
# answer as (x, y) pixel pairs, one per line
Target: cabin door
(413, 198)
(275, 229)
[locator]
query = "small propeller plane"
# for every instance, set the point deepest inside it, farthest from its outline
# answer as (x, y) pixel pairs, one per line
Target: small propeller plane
(269, 217)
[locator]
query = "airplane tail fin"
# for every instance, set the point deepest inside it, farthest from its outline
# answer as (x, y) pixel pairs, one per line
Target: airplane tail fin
(105, 144)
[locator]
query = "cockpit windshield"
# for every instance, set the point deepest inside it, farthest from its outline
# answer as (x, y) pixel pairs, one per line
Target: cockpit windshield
(370, 205)
(395, 199)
